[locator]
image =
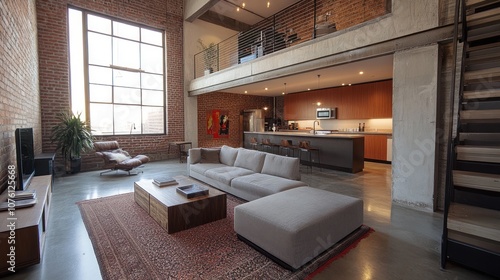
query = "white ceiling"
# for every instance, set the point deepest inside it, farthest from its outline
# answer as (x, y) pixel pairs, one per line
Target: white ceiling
(375, 69)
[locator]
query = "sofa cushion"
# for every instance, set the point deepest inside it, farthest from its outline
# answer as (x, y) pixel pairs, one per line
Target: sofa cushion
(228, 155)
(226, 174)
(202, 168)
(286, 167)
(210, 155)
(249, 159)
(264, 184)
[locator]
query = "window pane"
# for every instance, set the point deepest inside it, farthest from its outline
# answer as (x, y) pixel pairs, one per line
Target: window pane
(127, 95)
(77, 64)
(99, 24)
(99, 49)
(152, 97)
(126, 53)
(126, 78)
(126, 118)
(153, 120)
(125, 31)
(150, 81)
(151, 59)
(151, 37)
(100, 93)
(101, 118)
(100, 75)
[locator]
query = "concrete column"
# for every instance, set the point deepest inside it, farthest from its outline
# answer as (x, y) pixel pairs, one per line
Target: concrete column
(415, 87)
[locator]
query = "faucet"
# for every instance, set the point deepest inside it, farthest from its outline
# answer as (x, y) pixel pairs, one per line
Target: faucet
(314, 127)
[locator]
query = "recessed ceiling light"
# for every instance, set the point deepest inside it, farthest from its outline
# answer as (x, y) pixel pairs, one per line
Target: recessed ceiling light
(243, 5)
(246, 91)
(283, 93)
(319, 103)
(343, 84)
(349, 84)
(268, 3)
(265, 88)
(361, 72)
(238, 9)
(308, 88)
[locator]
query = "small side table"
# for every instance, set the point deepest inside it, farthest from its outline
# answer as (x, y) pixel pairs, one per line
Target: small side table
(182, 147)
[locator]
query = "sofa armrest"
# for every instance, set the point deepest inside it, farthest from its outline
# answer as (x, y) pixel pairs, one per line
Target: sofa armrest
(194, 156)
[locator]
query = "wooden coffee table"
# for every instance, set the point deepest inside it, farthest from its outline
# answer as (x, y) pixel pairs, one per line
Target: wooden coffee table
(173, 211)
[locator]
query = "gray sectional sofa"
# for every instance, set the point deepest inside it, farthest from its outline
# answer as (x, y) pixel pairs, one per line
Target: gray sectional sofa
(247, 174)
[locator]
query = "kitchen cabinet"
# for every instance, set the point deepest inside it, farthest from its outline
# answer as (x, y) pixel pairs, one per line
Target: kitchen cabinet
(364, 101)
(376, 147)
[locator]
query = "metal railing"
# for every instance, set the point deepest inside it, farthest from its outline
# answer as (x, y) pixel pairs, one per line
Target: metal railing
(298, 23)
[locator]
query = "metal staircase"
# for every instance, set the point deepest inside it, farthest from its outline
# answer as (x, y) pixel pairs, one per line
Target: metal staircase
(471, 232)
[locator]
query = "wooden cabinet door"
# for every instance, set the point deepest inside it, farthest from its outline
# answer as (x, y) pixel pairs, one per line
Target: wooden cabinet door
(376, 147)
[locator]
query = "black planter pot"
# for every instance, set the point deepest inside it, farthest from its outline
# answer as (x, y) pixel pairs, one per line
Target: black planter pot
(73, 166)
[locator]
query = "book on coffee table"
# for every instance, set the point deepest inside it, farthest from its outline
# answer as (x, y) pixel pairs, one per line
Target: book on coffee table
(164, 181)
(193, 190)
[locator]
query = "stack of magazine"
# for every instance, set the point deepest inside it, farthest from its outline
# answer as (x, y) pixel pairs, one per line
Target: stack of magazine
(164, 181)
(20, 200)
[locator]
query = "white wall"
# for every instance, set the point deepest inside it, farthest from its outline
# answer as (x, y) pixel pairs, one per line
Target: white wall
(414, 113)
(209, 33)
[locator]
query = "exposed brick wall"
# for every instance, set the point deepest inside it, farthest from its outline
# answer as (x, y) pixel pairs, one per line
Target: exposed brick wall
(234, 104)
(19, 93)
(54, 68)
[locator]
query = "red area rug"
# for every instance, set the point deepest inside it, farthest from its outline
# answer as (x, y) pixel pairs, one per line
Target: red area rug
(129, 244)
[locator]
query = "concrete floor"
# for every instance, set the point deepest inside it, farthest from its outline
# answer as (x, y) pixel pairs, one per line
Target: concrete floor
(405, 244)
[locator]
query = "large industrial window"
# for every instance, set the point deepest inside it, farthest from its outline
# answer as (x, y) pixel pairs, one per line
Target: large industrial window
(117, 74)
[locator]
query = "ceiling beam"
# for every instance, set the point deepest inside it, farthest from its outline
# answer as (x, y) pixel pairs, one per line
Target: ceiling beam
(224, 21)
(198, 11)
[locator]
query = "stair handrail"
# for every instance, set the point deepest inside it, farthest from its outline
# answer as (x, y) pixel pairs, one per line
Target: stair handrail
(460, 16)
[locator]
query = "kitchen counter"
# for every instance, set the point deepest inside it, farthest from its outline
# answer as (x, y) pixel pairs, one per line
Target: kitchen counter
(334, 132)
(339, 151)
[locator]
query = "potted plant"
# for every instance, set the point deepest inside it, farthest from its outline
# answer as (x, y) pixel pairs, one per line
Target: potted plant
(73, 137)
(210, 56)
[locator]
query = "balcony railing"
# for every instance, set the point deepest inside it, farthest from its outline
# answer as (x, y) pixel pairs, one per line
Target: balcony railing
(301, 22)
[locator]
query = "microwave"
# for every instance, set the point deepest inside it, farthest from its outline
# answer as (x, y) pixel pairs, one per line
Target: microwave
(326, 113)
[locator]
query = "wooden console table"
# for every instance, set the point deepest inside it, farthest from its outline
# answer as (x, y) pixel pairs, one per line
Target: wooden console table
(30, 227)
(175, 212)
(182, 147)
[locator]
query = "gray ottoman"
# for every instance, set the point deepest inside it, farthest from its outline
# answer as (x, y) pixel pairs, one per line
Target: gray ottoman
(296, 225)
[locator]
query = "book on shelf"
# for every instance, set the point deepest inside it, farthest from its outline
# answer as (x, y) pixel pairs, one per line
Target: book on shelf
(18, 204)
(22, 195)
(164, 181)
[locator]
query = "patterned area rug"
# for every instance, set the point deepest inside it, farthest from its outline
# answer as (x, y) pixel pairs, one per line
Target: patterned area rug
(129, 244)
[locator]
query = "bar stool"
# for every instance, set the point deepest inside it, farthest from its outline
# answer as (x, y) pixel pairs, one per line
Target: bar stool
(286, 145)
(267, 144)
(254, 143)
(305, 146)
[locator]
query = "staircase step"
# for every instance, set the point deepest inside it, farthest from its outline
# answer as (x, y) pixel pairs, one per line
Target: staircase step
(475, 221)
(479, 63)
(476, 180)
(479, 139)
(483, 32)
(480, 115)
(486, 54)
(488, 75)
(478, 3)
(483, 18)
(481, 94)
(481, 49)
(479, 153)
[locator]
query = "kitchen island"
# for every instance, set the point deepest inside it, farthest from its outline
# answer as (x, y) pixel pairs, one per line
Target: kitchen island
(337, 151)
